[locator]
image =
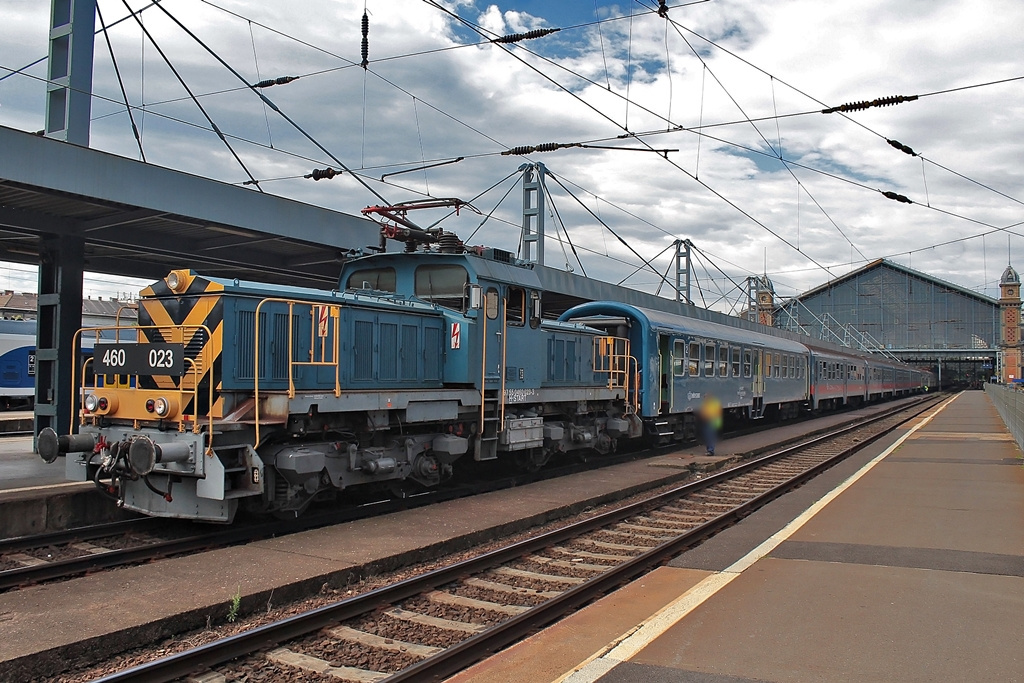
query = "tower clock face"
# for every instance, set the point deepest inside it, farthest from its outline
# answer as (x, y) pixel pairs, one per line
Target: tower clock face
(765, 298)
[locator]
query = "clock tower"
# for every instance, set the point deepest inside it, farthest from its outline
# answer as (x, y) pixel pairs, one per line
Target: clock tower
(765, 301)
(1009, 326)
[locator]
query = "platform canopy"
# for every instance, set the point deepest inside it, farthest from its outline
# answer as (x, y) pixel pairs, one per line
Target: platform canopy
(142, 220)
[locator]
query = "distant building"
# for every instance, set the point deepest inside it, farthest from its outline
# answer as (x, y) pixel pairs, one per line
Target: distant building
(917, 318)
(98, 312)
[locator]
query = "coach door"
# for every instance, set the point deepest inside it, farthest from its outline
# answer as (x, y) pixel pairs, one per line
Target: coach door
(757, 386)
(668, 362)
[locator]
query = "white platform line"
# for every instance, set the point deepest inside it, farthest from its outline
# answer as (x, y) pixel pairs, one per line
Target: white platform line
(630, 643)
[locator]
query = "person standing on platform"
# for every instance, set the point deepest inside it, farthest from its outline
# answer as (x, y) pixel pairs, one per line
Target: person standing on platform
(711, 421)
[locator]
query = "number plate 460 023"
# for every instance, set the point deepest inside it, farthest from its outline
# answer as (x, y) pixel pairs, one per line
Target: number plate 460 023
(139, 359)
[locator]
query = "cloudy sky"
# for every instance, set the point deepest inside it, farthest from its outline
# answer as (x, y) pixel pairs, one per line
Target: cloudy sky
(716, 109)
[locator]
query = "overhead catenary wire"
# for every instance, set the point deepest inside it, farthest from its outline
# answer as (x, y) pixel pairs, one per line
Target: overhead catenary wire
(120, 83)
(273, 106)
(181, 80)
(879, 190)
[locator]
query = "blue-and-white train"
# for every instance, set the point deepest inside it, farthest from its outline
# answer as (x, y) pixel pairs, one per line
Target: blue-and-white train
(267, 397)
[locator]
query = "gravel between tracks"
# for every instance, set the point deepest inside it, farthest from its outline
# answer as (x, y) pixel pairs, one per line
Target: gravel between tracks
(327, 595)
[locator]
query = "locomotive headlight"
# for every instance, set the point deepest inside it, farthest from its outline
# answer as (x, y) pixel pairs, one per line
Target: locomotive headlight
(164, 407)
(161, 407)
(177, 280)
(101, 405)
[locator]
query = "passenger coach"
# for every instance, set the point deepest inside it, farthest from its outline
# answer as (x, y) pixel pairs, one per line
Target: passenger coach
(682, 360)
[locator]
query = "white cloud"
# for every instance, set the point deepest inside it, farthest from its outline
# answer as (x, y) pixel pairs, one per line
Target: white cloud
(746, 210)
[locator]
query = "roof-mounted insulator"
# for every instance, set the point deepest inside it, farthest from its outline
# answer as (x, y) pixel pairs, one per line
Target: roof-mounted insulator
(283, 80)
(880, 102)
(545, 147)
(662, 9)
(897, 197)
(366, 40)
(901, 147)
(529, 35)
(322, 174)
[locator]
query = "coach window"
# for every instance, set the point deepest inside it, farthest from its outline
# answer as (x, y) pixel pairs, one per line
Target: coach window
(767, 364)
(747, 362)
(736, 361)
(380, 279)
(491, 303)
(693, 359)
(679, 358)
(515, 306)
(709, 360)
(778, 359)
(444, 285)
(723, 360)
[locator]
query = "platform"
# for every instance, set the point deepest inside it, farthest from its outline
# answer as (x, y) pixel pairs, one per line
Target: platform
(904, 563)
(103, 613)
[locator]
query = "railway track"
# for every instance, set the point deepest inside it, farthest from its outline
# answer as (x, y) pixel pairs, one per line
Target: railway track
(35, 559)
(433, 625)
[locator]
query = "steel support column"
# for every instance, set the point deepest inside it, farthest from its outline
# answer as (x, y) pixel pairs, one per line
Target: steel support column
(69, 71)
(533, 212)
(60, 316)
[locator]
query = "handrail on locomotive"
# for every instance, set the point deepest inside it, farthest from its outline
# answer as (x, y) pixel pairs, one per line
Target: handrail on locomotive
(317, 330)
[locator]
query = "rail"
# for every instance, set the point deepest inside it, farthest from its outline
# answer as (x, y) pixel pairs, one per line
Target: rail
(323, 326)
(612, 357)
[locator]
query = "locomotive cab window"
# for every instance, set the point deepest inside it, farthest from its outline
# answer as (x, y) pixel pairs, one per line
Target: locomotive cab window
(535, 309)
(380, 279)
(515, 306)
(491, 303)
(444, 285)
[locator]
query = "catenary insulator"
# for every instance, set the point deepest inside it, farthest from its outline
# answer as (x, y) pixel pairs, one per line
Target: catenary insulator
(529, 35)
(901, 147)
(366, 40)
(276, 81)
(544, 147)
(897, 197)
(323, 174)
(880, 102)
